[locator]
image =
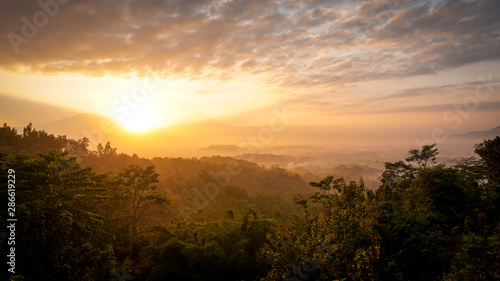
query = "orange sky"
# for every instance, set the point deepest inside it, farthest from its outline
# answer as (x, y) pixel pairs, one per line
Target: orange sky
(376, 66)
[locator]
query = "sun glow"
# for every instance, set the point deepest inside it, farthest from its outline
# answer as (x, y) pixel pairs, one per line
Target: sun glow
(140, 120)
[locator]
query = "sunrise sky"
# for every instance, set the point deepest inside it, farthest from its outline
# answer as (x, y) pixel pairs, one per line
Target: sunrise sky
(377, 66)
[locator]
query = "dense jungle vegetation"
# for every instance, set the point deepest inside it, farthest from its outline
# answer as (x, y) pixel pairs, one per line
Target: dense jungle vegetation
(101, 215)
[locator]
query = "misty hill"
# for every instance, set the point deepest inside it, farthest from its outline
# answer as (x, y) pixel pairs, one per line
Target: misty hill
(191, 133)
(35, 112)
(220, 149)
(176, 173)
(75, 126)
(186, 173)
(268, 159)
(480, 135)
(199, 135)
(235, 184)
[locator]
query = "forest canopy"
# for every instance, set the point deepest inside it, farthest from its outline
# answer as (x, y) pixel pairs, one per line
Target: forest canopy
(104, 215)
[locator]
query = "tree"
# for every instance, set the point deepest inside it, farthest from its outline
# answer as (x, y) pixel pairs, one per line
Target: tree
(473, 170)
(3, 156)
(445, 188)
(489, 150)
(78, 147)
(339, 245)
(33, 141)
(422, 157)
(397, 174)
(107, 150)
(61, 235)
(9, 139)
(477, 258)
(137, 188)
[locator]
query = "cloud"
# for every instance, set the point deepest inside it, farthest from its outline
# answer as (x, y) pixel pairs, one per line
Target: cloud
(416, 99)
(401, 94)
(432, 91)
(291, 43)
(454, 107)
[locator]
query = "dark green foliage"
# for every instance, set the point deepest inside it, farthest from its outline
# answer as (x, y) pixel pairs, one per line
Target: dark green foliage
(59, 234)
(445, 189)
(219, 250)
(477, 258)
(32, 142)
(412, 242)
(489, 150)
(137, 194)
(423, 223)
(340, 244)
(398, 174)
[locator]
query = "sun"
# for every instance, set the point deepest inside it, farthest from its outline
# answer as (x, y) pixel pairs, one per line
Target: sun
(142, 119)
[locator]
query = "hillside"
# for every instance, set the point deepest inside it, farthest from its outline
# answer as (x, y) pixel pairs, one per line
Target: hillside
(179, 173)
(479, 135)
(232, 219)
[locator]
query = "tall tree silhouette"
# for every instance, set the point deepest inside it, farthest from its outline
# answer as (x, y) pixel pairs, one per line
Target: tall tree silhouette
(138, 194)
(423, 156)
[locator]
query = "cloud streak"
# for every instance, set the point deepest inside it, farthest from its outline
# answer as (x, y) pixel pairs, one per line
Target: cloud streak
(410, 100)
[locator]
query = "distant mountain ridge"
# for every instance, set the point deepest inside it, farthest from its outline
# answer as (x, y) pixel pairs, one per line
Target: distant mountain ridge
(18, 112)
(192, 132)
(74, 126)
(197, 124)
(489, 134)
